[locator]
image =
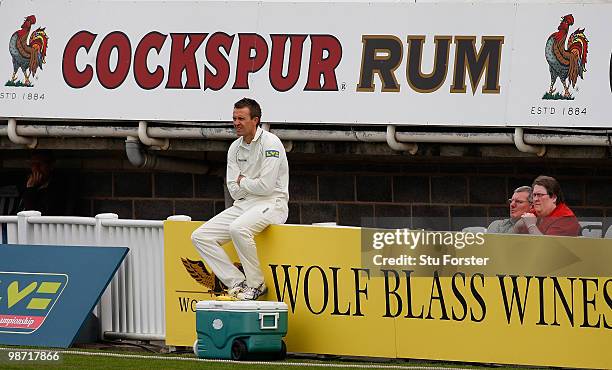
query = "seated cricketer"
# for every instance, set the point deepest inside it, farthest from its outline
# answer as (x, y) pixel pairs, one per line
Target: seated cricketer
(258, 181)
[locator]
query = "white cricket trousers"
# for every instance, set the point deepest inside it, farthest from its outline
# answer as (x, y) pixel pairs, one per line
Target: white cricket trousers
(239, 223)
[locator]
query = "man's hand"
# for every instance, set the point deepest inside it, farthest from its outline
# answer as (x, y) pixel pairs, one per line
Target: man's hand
(240, 177)
(529, 219)
(35, 179)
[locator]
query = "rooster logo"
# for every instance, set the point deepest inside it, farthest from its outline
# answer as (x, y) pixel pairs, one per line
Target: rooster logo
(197, 270)
(566, 62)
(28, 53)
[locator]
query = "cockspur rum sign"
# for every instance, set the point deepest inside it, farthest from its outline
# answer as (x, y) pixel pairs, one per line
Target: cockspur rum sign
(381, 56)
(358, 63)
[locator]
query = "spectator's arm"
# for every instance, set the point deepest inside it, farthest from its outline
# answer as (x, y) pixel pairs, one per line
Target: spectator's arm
(530, 220)
(29, 199)
(494, 227)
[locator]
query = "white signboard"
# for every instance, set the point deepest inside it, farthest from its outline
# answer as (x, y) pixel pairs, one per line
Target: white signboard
(588, 99)
(358, 63)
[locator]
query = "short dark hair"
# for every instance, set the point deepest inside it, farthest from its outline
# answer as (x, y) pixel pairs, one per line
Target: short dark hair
(551, 185)
(254, 108)
(42, 156)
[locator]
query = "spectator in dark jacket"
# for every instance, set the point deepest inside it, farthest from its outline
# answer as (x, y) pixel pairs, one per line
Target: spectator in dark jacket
(48, 191)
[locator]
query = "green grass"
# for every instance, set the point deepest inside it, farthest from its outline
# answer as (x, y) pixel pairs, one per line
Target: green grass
(16, 84)
(99, 361)
(556, 96)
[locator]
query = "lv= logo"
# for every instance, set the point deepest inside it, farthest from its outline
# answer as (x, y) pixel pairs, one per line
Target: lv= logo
(26, 299)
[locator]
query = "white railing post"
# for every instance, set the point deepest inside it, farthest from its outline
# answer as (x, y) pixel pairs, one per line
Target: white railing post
(23, 228)
(179, 218)
(105, 307)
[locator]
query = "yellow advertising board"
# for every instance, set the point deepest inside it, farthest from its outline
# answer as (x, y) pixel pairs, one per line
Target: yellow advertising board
(340, 305)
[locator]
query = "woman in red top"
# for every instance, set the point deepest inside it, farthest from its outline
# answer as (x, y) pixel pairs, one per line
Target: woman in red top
(553, 216)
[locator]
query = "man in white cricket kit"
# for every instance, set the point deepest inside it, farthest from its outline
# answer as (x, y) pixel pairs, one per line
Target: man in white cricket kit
(258, 181)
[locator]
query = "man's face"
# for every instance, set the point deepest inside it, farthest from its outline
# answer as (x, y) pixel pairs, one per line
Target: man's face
(243, 123)
(519, 204)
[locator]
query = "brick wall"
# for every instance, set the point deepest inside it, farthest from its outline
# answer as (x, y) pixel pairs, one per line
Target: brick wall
(451, 192)
(144, 195)
(344, 193)
(344, 190)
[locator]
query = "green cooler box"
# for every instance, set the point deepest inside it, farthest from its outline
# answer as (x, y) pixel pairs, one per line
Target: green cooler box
(240, 329)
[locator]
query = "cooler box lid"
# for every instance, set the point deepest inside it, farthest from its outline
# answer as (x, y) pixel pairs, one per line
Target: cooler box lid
(241, 306)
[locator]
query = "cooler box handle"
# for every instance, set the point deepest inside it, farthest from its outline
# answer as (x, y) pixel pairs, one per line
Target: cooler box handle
(262, 317)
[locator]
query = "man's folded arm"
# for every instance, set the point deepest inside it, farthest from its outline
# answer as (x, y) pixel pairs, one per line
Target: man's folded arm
(264, 183)
(233, 171)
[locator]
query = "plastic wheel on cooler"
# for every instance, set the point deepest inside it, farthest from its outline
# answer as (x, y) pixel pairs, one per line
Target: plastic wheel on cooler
(195, 348)
(239, 350)
(282, 354)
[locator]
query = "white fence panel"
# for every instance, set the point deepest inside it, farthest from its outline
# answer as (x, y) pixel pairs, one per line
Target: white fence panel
(132, 307)
(55, 230)
(139, 283)
(8, 229)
